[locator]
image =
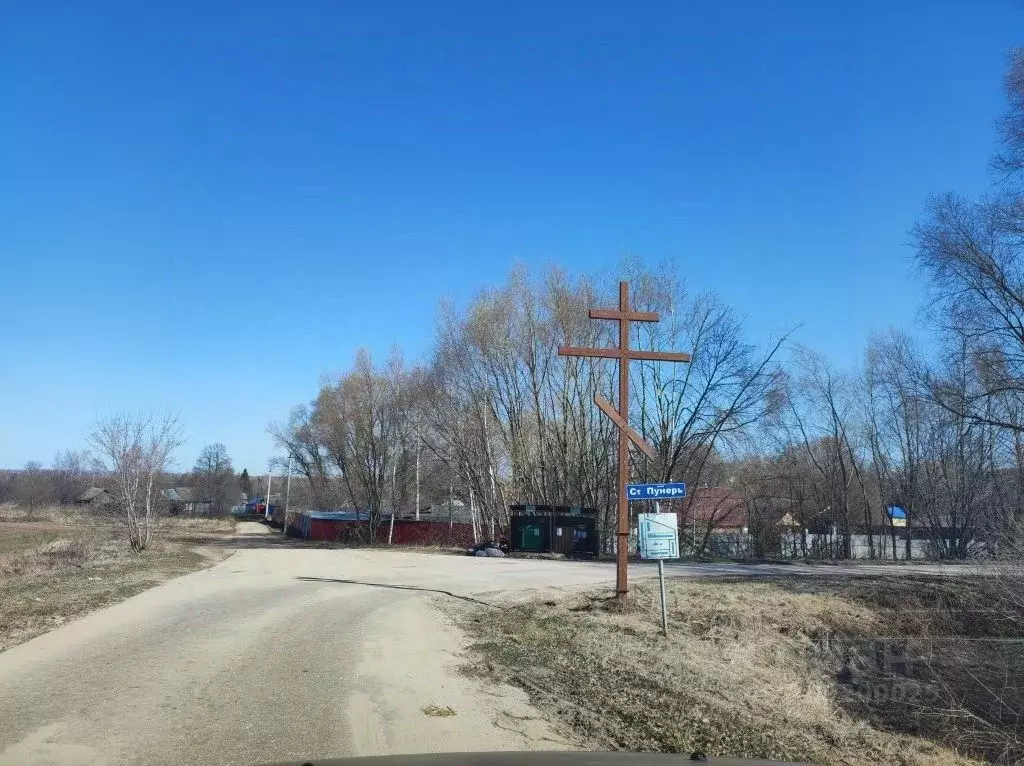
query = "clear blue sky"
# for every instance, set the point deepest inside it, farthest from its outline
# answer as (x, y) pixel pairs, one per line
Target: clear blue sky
(192, 190)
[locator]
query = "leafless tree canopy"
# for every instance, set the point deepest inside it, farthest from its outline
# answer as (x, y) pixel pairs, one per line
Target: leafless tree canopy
(70, 475)
(1009, 163)
(214, 478)
(133, 450)
(972, 252)
(497, 417)
(32, 488)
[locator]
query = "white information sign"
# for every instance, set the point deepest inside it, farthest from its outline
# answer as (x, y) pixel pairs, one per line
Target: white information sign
(659, 536)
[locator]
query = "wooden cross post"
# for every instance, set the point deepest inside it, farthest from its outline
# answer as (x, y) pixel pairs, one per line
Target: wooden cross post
(621, 418)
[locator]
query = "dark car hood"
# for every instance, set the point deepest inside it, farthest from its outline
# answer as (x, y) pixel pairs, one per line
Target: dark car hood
(531, 758)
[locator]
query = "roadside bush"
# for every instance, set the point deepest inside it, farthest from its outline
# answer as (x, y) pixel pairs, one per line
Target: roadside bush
(61, 553)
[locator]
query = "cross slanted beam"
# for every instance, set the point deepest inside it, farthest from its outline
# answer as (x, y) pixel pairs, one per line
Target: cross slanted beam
(606, 407)
(624, 315)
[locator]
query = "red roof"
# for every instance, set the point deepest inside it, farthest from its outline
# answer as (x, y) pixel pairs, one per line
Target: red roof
(717, 505)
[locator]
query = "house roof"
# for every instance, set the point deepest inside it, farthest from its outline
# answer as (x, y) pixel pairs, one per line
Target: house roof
(90, 494)
(352, 515)
(896, 512)
(787, 520)
(184, 495)
(718, 505)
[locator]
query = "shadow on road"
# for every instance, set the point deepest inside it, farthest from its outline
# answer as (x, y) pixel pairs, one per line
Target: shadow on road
(395, 587)
(251, 542)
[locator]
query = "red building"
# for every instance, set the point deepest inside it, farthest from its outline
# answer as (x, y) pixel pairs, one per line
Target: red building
(343, 526)
(719, 507)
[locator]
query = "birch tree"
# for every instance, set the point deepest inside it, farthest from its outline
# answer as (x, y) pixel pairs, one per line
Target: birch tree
(134, 450)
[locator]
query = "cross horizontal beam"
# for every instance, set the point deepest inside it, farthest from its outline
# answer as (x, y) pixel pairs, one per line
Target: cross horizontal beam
(641, 443)
(632, 316)
(614, 353)
(660, 356)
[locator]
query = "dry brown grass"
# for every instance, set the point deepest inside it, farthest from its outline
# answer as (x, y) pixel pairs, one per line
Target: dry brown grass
(950, 661)
(220, 525)
(62, 515)
(50, 574)
(437, 711)
(79, 551)
(72, 515)
(739, 675)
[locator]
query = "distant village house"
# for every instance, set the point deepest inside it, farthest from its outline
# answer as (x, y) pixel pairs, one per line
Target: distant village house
(94, 497)
(185, 500)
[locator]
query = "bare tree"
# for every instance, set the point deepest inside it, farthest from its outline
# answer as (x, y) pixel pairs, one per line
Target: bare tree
(516, 421)
(7, 486)
(897, 409)
(357, 435)
(33, 487)
(821, 423)
(303, 437)
(502, 419)
(972, 252)
(214, 476)
(1009, 163)
(70, 475)
(134, 449)
(696, 413)
(363, 421)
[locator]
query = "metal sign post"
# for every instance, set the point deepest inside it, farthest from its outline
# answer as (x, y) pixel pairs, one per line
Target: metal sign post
(623, 354)
(664, 609)
(661, 579)
(659, 539)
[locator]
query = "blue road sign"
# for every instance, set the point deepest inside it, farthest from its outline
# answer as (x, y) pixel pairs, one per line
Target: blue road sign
(655, 491)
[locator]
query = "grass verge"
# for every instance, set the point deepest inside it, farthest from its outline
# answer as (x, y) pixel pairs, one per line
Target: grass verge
(48, 576)
(756, 669)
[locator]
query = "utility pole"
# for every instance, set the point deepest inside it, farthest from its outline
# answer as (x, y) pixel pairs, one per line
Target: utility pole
(623, 354)
(287, 495)
(266, 500)
(394, 493)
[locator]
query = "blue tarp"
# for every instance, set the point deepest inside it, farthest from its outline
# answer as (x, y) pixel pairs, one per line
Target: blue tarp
(895, 512)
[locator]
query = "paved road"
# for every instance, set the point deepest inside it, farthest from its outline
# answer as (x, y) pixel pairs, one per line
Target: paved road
(281, 653)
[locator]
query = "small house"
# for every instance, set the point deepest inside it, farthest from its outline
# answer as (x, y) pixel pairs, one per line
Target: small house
(186, 500)
(94, 497)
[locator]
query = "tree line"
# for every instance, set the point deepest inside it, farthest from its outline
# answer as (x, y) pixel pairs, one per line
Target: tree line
(129, 457)
(494, 417)
(72, 472)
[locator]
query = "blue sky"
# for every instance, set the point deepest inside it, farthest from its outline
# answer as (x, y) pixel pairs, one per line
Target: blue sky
(207, 206)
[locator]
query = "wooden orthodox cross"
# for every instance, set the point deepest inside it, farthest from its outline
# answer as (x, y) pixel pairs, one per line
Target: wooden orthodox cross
(621, 418)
